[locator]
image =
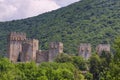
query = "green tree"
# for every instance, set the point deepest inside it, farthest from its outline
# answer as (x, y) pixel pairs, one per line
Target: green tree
(8, 71)
(114, 72)
(59, 71)
(88, 76)
(95, 66)
(28, 69)
(80, 63)
(62, 58)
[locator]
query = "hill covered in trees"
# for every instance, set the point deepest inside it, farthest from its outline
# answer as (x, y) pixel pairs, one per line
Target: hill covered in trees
(65, 67)
(87, 21)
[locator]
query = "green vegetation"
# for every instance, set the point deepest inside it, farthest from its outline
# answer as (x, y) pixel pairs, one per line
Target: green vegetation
(66, 67)
(44, 71)
(92, 21)
(89, 21)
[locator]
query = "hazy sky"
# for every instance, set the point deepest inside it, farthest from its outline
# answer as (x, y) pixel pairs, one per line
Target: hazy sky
(18, 9)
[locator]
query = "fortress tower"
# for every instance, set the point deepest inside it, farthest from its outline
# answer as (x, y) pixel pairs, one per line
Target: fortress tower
(103, 47)
(55, 48)
(29, 50)
(85, 50)
(15, 45)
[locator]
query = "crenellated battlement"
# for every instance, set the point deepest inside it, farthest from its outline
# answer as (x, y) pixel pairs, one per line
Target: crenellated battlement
(15, 45)
(85, 46)
(103, 47)
(55, 48)
(17, 36)
(30, 41)
(55, 45)
(24, 49)
(84, 50)
(29, 50)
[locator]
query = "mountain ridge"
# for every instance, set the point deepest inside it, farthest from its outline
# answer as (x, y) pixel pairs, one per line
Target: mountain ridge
(87, 21)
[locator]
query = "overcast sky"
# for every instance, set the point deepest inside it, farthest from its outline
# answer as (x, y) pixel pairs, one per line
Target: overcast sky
(19, 9)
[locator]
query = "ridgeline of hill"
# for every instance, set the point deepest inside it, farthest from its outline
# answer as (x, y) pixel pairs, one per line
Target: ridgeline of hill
(87, 21)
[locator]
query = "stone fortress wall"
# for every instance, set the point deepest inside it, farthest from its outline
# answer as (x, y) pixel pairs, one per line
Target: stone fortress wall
(22, 49)
(15, 45)
(84, 50)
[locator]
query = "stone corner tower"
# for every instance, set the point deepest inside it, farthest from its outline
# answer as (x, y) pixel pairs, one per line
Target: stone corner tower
(29, 50)
(55, 48)
(102, 47)
(85, 50)
(15, 40)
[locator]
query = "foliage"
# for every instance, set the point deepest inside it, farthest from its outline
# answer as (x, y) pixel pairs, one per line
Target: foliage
(95, 66)
(8, 71)
(99, 67)
(44, 71)
(114, 72)
(77, 61)
(62, 58)
(88, 76)
(89, 21)
(106, 66)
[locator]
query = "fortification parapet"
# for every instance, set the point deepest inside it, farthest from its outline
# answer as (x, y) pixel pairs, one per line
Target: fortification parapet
(17, 36)
(56, 45)
(84, 50)
(29, 50)
(102, 47)
(55, 48)
(15, 45)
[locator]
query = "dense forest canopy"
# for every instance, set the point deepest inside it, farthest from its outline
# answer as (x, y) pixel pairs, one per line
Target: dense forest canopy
(65, 67)
(87, 21)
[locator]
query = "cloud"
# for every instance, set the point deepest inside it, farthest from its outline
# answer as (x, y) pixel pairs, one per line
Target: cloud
(65, 2)
(19, 9)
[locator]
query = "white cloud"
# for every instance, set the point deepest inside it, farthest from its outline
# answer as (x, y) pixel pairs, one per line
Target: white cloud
(19, 9)
(65, 2)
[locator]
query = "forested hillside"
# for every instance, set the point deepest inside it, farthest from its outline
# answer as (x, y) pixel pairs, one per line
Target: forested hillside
(88, 21)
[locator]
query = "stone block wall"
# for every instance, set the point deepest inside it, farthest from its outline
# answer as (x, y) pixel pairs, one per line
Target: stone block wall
(84, 50)
(55, 48)
(29, 50)
(102, 47)
(22, 49)
(42, 56)
(15, 45)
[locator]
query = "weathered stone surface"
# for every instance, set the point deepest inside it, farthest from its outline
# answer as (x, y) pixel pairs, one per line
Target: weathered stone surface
(23, 50)
(55, 48)
(102, 47)
(42, 56)
(15, 45)
(29, 50)
(84, 50)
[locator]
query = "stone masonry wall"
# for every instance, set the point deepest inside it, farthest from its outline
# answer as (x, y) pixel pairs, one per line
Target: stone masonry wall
(84, 50)
(29, 50)
(55, 48)
(102, 47)
(15, 45)
(42, 56)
